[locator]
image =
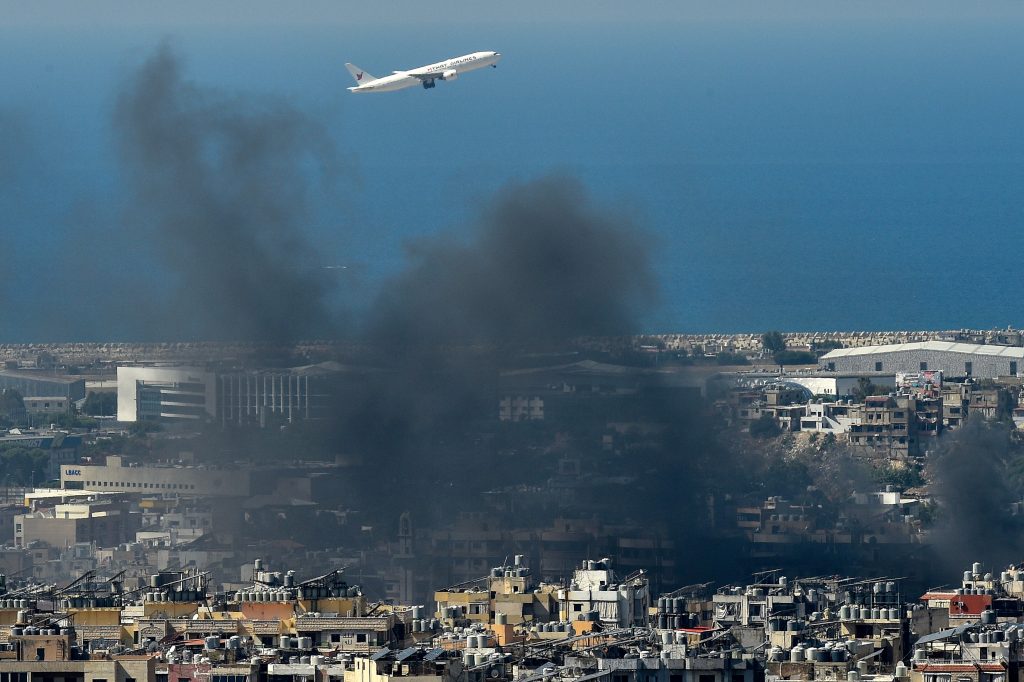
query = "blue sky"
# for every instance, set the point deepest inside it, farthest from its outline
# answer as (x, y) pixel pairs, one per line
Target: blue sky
(783, 156)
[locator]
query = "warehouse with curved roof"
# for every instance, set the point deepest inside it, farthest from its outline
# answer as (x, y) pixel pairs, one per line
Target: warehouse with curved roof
(953, 359)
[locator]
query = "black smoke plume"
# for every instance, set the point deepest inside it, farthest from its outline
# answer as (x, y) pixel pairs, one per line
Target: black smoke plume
(975, 478)
(544, 265)
(222, 185)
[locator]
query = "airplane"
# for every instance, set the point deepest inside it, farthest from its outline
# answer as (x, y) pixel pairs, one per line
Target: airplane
(447, 70)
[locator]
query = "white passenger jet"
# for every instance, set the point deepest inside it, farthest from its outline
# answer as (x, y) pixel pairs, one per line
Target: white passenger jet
(447, 70)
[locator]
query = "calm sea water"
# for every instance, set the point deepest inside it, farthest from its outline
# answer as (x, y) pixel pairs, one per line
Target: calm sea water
(790, 176)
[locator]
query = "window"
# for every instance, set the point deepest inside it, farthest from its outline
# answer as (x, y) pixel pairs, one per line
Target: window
(924, 366)
(577, 607)
(335, 637)
(968, 368)
(878, 366)
(831, 368)
(361, 637)
(1013, 367)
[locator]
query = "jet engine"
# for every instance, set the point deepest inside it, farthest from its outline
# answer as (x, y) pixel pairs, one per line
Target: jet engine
(450, 75)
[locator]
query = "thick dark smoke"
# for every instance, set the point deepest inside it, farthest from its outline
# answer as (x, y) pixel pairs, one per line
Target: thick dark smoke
(223, 185)
(974, 479)
(544, 265)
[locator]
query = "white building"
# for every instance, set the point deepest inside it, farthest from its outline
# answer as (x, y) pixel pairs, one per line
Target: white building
(594, 587)
(175, 480)
(838, 384)
(835, 417)
(165, 394)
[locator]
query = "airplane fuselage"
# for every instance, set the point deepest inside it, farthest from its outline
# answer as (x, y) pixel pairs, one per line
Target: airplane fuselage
(425, 76)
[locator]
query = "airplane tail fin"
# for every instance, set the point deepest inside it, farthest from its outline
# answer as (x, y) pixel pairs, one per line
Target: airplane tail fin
(360, 75)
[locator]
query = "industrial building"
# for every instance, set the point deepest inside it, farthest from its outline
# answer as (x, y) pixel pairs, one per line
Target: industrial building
(309, 392)
(165, 394)
(952, 359)
(32, 384)
(180, 480)
(239, 397)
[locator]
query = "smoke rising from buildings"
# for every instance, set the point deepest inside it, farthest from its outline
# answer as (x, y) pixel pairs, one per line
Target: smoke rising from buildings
(971, 478)
(222, 184)
(544, 265)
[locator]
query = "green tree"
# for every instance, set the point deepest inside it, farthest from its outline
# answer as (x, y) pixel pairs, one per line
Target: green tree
(901, 478)
(12, 406)
(773, 342)
(23, 466)
(826, 345)
(864, 388)
(727, 358)
(795, 357)
(100, 404)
